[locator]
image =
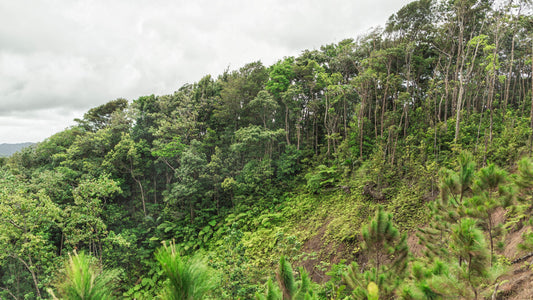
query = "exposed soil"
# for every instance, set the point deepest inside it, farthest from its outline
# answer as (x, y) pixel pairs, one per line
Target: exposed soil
(516, 284)
(325, 251)
(413, 242)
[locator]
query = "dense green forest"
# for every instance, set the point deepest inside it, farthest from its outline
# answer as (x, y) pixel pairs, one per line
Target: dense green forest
(394, 165)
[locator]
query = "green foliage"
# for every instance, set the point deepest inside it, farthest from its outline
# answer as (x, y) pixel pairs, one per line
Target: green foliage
(84, 226)
(525, 173)
(455, 184)
(323, 177)
(373, 291)
(287, 164)
(280, 76)
(255, 177)
(285, 278)
(422, 285)
(484, 204)
(382, 239)
(527, 241)
(458, 236)
(170, 149)
(83, 278)
(387, 251)
(235, 266)
(265, 106)
(288, 289)
(189, 187)
(468, 245)
(100, 117)
(272, 292)
(188, 278)
(26, 223)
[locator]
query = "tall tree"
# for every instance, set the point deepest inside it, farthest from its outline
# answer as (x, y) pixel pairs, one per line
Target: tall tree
(100, 117)
(26, 222)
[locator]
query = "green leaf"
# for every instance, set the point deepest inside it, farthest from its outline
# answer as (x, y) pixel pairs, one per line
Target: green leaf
(147, 282)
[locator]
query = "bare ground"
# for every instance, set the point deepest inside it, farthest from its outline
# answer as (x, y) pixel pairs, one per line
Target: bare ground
(516, 284)
(325, 251)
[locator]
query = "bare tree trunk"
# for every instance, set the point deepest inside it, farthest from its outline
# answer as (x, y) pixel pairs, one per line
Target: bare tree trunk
(375, 110)
(139, 183)
(462, 80)
(492, 82)
(30, 268)
(407, 90)
(447, 89)
(361, 125)
(155, 189)
(142, 194)
(9, 292)
(459, 76)
(328, 133)
(531, 112)
(509, 75)
(287, 124)
(298, 133)
(383, 106)
(345, 116)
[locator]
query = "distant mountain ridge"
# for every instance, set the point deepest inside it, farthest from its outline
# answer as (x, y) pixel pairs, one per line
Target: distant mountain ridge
(9, 149)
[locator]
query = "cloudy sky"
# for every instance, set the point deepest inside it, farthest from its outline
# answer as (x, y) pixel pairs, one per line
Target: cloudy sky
(59, 58)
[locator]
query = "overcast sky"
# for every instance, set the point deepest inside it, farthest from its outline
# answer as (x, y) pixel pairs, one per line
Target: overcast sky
(60, 58)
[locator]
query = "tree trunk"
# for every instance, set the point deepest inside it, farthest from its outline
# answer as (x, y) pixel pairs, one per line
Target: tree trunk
(139, 183)
(287, 124)
(298, 133)
(328, 133)
(509, 75)
(155, 189)
(9, 292)
(491, 238)
(531, 113)
(30, 268)
(459, 76)
(361, 124)
(345, 116)
(492, 82)
(462, 80)
(142, 194)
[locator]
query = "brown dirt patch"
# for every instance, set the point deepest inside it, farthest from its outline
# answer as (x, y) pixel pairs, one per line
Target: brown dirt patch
(511, 243)
(323, 250)
(517, 284)
(498, 217)
(413, 242)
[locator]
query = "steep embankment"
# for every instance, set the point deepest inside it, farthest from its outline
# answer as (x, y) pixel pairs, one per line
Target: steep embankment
(517, 283)
(328, 224)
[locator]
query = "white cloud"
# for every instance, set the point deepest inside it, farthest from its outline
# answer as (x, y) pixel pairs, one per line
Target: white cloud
(61, 57)
(35, 125)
